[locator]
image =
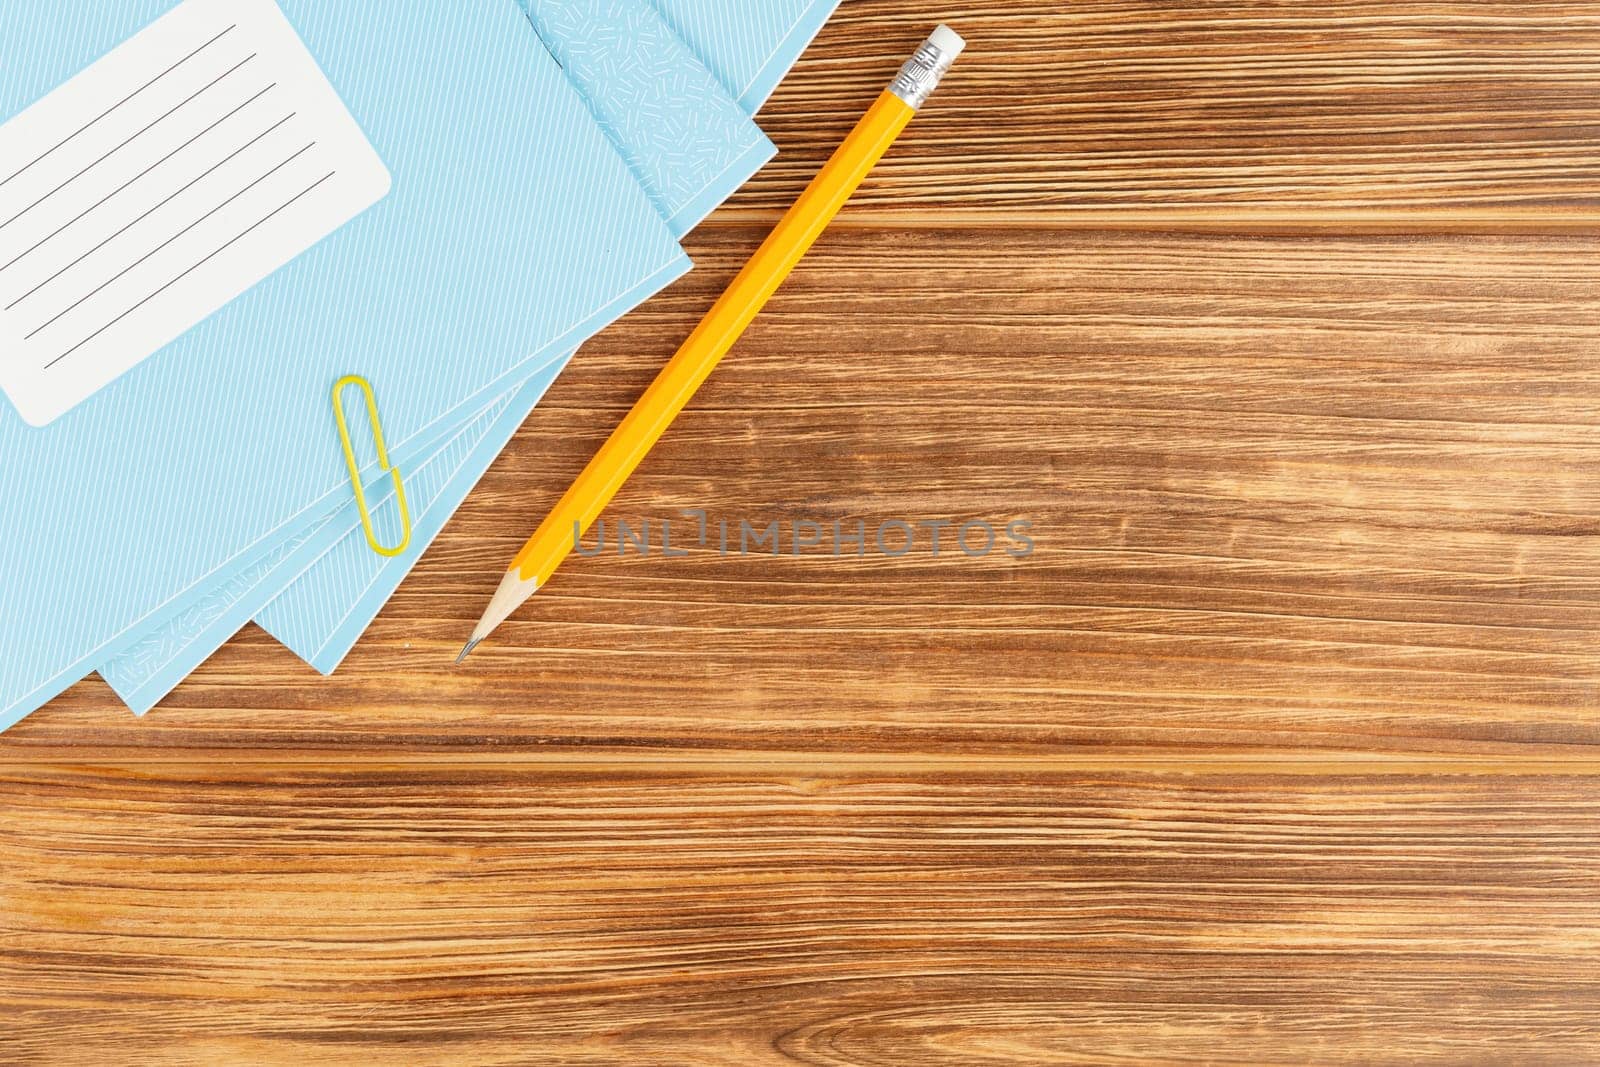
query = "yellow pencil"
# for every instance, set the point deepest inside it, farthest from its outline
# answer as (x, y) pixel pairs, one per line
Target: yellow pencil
(794, 235)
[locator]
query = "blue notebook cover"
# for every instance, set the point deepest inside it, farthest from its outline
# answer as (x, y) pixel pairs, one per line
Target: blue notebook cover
(512, 230)
(750, 46)
(687, 140)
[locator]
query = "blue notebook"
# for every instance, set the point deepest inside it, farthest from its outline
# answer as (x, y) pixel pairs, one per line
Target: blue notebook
(451, 219)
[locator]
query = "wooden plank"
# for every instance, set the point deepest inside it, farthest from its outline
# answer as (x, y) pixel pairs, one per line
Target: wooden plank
(1288, 495)
(473, 916)
(1246, 112)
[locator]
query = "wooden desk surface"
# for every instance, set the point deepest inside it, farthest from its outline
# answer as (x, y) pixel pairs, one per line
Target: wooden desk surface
(1278, 321)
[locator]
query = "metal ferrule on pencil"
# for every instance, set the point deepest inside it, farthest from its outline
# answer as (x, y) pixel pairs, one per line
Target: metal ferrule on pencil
(922, 72)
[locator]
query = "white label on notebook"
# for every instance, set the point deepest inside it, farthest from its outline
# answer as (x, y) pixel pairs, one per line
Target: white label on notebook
(140, 197)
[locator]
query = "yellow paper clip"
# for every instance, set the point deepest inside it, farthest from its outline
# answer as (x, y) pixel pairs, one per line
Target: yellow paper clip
(383, 460)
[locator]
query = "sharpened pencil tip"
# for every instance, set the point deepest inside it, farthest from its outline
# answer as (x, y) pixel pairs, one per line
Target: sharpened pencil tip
(467, 651)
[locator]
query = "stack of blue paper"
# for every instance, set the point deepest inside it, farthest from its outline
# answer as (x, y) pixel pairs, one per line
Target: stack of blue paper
(213, 210)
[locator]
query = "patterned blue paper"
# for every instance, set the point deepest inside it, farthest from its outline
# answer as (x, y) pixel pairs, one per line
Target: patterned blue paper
(749, 44)
(686, 139)
(513, 230)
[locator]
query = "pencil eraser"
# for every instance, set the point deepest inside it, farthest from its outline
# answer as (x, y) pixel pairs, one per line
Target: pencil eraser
(947, 41)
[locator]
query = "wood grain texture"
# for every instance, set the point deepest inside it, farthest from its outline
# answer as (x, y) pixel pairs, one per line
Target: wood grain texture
(1341, 113)
(1287, 494)
(479, 917)
(1277, 322)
